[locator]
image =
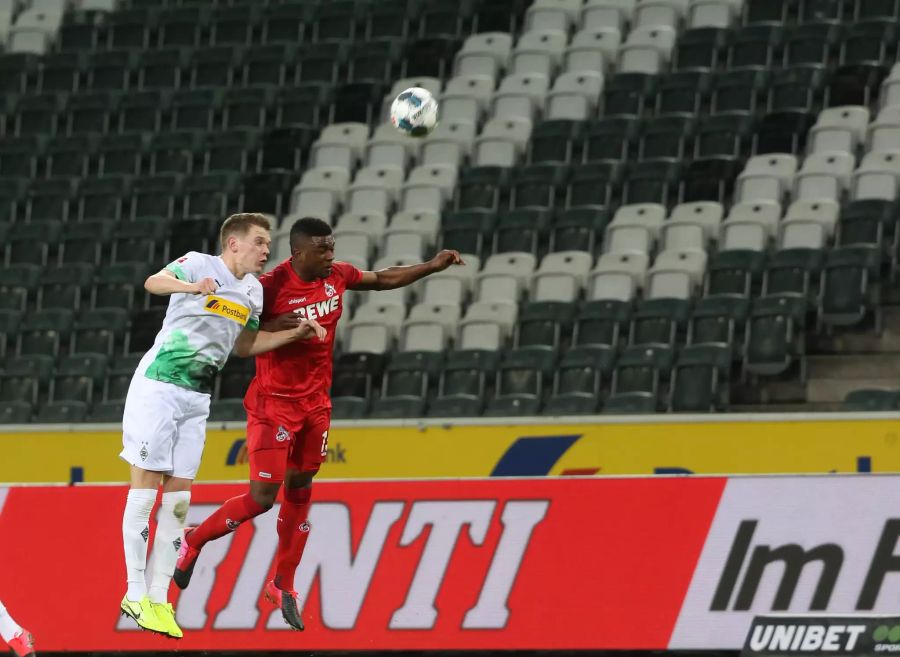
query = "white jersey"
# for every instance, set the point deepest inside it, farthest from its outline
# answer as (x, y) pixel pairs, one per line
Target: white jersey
(199, 331)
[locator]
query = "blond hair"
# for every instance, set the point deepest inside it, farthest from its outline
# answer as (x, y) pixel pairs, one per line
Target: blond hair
(239, 224)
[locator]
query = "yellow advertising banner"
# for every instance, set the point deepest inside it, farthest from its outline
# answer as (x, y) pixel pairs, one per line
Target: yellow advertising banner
(814, 444)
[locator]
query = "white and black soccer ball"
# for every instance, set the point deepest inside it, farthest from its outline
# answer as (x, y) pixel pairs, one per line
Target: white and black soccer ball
(414, 112)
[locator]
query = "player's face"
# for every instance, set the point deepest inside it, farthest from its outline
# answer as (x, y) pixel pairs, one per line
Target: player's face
(253, 249)
(317, 255)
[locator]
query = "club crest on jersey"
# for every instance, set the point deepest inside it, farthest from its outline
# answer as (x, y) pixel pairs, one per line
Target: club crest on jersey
(329, 290)
(228, 309)
(282, 434)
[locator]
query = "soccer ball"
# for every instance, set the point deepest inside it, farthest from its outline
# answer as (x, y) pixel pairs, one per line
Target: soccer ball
(414, 112)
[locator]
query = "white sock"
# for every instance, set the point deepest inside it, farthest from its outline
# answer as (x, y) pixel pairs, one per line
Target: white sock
(9, 629)
(172, 513)
(135, 534)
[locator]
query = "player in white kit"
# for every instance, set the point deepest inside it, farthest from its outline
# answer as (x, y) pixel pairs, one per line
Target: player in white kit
(214, 308)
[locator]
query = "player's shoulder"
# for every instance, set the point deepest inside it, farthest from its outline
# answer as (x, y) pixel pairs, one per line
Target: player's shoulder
(345, 270)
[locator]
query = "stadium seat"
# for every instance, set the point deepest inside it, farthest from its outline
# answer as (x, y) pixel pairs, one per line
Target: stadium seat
(700, 379)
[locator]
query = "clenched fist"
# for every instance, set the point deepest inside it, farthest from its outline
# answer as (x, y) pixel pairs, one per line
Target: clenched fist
(310, 328)
(445, 258)
(205, 286)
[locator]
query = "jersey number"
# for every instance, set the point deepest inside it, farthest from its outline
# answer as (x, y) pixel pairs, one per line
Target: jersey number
(324, 443)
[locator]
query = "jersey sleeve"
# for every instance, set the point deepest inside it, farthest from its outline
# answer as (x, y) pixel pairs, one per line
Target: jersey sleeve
(351, 274)
(269, 292)
(188, 268)
(256, 306)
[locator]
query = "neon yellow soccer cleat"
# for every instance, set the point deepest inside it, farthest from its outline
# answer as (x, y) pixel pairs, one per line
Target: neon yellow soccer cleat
(144, 615)
(166, 615)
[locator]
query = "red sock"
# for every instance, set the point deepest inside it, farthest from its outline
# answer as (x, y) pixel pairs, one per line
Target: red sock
(293, 530)
(225, 520)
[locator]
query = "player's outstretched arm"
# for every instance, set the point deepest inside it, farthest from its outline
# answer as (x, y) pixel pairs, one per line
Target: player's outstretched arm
(394, 277)
(163, 283)
(251, 343)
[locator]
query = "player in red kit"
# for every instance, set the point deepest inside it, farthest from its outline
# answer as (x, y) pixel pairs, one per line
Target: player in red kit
(288, 406)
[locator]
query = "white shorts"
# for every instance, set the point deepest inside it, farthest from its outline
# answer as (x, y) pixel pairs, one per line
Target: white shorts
(164, 427)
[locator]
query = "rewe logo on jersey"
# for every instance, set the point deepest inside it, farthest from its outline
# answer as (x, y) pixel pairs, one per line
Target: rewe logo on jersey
(225, 308)
(319, 309)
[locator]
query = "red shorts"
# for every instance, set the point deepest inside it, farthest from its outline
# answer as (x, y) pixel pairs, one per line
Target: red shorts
(282, 434)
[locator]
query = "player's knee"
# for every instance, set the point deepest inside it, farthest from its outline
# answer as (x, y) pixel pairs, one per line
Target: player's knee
(297, 479)
(264, 498)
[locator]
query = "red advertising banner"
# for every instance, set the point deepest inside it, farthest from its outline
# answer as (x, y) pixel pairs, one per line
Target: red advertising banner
(476, 564)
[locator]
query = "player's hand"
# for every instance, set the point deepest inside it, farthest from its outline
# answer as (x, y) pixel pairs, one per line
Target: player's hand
(205, 286)
(310, 328)
(446, 258)
(285, 322)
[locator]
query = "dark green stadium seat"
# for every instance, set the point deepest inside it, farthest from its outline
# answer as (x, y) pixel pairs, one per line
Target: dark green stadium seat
(734, 272)
(579, 379)
(397, 408)
(48, 200)
(702, 48)
(627, 94)
(155, 196)
(389, 21)
(11, 191)
(282, 148)
(234, 26)
(432, 56)
(631, 403)
(118, 378)
(195, 109)
(719, 320)
(162, 69)
(376, 62)
(544, 324)
(869, 222)
(251, 107)
(62, 412)
(538, 186)
(84, 242)
(111, 70)
(555, 141)
(234, 150)
(117, 155)
(194, 233)
(37, 114)
(775, 335)
(355, 375)
(467, 231)
(870, 42)
(456, 406)
(652, 181)
(60, 72)
(107, 411)
(234, 378)
(522, 230)
(182, 26)
(140, 112)
(131, 28)
(210, 194)
(77, 377)
(174, 152)
(463, 382)
(144, 327)
(783, 132)
(797, 88)
(227, 410)
(15, 69)
(409, 376)
(578, 229)
(9, 329)
(594, 185)
(37, 366)
(523, 374)
(30, 244)
(710, 179)
(659, 322)
(642, 370)
(140, 241)
(357, 102)
(756, 45)
(513, 407)
(669, 136)
(18, 286)
(43, 331)
(19, 156)
(103, 198)
(481, 187)
(683, 91)
(876, 9)
(70, 156)
(269, 191)
(337, 20)
(700, 379)
(99, 331)
(850, 284)
(15, 412)
(271, 65)
(80, 31)
(65, 286)
(303, 106)
(349, 408)
(500, 16)
(446, 20)
(869, 400)
(286, 23)
(601, 323)
(740, 90)
(611, 139)
(813, 43)
(794, 272)
(728, 134)
(120, 285)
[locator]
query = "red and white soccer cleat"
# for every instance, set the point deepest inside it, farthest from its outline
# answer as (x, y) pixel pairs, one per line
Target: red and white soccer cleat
(187, 559)
(22, 644)
(287, 601)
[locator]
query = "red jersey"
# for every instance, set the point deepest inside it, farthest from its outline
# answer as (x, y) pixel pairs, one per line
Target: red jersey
(302, 369)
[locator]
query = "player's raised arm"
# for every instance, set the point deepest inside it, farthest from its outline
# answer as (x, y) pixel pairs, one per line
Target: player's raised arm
(394, 277)
(163, 283)
(251, 342)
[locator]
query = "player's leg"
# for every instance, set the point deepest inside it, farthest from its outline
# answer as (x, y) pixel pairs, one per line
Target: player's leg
(148, 434)
(307, 454)
(267, 465)
(19, 640)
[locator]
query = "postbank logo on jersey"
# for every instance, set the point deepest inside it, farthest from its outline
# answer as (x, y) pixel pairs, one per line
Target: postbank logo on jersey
(233, 311)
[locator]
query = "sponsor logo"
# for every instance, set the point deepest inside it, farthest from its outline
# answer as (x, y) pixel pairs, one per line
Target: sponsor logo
(329, 290)
(228, 309)
(180, 260)
(144, 453)
(282, 434)
(291, 302)
(145, 533)
(304, 527)
(265, 475)
(886, 638)
(319, 309)
(776, 636)
(177, 544)
(232, 524)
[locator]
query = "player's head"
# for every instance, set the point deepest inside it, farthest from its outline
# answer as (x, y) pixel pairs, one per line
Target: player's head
(245, 241)
(312, 247)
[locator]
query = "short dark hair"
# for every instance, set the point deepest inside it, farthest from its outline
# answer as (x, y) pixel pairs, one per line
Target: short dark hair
(309, 227)
(239, 224)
